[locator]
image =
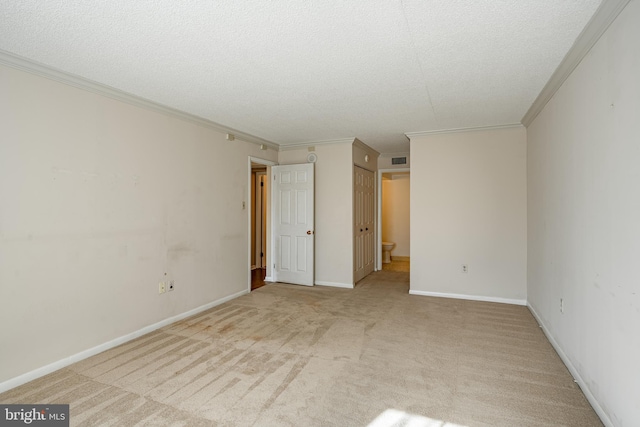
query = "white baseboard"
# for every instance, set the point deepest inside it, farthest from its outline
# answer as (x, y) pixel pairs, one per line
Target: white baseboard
(574, 372)
(470, 297)
(269, 279)
(62, 363)
(334, 284)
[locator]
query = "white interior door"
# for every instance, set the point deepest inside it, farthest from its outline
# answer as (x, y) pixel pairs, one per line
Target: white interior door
(293, 223)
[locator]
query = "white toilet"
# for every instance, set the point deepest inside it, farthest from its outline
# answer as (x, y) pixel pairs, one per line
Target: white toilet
(387, 247)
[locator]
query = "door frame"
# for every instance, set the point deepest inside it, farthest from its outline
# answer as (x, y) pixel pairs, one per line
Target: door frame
(250, 207)
(379, 225)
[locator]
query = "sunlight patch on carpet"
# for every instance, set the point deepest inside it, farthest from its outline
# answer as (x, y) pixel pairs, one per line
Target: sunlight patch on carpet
(395, 418)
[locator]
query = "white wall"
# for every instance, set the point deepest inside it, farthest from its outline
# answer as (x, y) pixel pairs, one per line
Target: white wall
(584, 220)
(98, 200)
(333, 210)
(468, 206)
(395, 212)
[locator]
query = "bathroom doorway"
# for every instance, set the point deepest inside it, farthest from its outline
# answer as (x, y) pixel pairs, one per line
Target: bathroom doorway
(394, 225)
(258, 206)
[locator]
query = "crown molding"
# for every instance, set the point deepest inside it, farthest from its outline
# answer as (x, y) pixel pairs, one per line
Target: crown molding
(354, 141)
(295, 146)
(606, 13)
(42, 70)
(457, 130)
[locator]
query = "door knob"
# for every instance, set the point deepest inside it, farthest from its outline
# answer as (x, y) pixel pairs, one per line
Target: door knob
(367, 228)
(309, 232)
(361, 230)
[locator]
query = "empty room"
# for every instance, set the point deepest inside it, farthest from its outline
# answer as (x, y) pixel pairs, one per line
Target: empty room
(359, 213)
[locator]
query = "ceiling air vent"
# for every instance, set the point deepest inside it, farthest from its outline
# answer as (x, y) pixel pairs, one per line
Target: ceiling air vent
(398, 160)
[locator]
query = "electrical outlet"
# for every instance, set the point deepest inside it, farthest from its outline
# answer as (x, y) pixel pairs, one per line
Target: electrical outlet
(161, 288)
(561, 305)
(171, 285)
(465, 268)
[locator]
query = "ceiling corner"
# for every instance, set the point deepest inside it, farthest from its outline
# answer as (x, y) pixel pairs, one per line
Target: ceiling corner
(606, 13)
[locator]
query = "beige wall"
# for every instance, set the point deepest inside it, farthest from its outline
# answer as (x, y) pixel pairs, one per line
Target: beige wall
(333, 210)
(98, 200)
(584, 220)
(468, 206)
(395, 212)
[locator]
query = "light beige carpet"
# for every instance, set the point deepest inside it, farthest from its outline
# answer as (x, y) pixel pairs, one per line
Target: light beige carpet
(292, 355)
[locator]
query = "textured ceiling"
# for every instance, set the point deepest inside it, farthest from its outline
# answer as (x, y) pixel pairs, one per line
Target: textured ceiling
(291, 71)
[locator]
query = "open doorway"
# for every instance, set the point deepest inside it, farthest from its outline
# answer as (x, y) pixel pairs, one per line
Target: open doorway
(259, 170)
(394, 225)
(258, 225)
